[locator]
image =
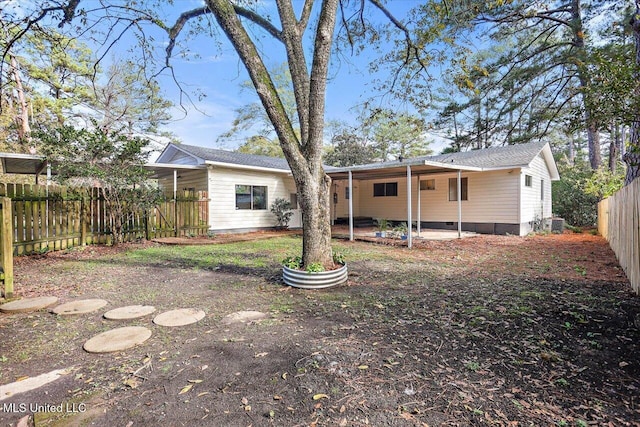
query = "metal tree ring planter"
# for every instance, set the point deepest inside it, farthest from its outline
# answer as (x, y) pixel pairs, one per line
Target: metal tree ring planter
(314, 280)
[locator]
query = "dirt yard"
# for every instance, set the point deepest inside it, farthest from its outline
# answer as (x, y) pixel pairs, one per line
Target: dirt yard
(489, 330)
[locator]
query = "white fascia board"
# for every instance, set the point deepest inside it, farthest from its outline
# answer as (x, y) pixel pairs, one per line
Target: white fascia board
(172, 148)
(246, 167)
(452, 166)
(171, 166)
(21, 156)
(551, 162)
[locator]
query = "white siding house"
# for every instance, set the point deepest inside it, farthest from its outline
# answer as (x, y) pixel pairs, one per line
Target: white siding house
(504, 190)
(240, 187)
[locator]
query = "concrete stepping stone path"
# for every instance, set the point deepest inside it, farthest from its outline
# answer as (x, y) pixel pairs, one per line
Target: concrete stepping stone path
(28, 304)
(129, 312)
(243, 317)
(79, 307)
(117, 339)
(179, 317)
(28, 384)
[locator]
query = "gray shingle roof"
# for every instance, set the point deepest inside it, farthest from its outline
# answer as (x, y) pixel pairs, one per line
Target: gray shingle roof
(235, 158)
(493, 157)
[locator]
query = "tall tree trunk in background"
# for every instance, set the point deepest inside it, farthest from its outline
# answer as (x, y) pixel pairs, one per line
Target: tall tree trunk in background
(614, 146)
(572, 149)
(632, 156)
(593, 132)
(22, 118)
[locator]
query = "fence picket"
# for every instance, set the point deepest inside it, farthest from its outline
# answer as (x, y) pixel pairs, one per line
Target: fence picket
(622, 229)
(56, 218)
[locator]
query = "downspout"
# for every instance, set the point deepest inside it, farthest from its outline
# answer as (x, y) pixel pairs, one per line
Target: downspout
(409, 226)
(350, 206)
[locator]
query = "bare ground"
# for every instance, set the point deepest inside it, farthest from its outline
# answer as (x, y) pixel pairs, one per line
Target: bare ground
(489, 330)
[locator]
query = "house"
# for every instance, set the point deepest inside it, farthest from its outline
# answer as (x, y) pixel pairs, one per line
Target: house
(240, 187)
(502, 190)
(498, 190)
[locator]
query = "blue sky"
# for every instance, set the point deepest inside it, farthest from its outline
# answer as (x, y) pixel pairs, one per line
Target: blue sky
(209, 65)
(218, 74)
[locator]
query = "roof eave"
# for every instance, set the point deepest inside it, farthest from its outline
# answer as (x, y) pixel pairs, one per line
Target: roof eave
(176, 147)
(246, 167)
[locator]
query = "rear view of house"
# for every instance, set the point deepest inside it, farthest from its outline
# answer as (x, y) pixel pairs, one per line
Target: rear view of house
(498, 190)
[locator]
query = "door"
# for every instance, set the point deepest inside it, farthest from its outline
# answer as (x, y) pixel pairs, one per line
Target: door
(296, 218)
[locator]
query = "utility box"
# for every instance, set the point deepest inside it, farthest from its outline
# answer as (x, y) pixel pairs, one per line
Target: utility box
(557, 225)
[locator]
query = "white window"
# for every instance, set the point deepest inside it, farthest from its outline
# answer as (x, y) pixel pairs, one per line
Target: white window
(453, 189)
(385, 189)
(253, 197)
(528, 181)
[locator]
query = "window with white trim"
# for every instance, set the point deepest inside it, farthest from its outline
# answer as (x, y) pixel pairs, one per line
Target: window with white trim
(385, 189)
(453, 189)
(251, 197)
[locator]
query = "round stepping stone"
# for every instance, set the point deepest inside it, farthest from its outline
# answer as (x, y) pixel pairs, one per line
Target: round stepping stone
(243, 316)
(180, 317)
(129, 312)
(117, 339)
(28, 304)
(79, 307)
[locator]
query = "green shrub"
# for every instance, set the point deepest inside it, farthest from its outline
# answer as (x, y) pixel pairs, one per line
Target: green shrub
(570, 199)
(281, 208)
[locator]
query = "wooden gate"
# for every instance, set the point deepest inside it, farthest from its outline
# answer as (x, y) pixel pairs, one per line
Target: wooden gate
(186, 215)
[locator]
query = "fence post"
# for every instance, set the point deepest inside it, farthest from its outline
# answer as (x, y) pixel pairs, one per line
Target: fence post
(6, 245)
(175, 215)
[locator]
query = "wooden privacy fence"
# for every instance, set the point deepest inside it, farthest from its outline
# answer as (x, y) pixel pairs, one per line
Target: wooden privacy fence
(618, 223)
(56, 218)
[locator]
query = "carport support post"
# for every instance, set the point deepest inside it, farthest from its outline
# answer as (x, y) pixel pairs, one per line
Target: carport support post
(175, 201)
(409, 226)
(350, 206)
(459, 204)
(419, 213)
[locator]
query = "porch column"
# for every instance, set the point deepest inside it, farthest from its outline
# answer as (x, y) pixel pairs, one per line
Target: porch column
(459, 204)
(175, 184)
(175, 202)
(350, 206)
(409, 237)
(419, 213)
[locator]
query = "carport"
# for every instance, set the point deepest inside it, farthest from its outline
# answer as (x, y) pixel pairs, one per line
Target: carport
(402, 169)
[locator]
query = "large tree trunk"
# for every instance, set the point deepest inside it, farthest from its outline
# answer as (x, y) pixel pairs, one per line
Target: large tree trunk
(22, 119)
(593, 132)
(632, 156)
(614, 146)
(303, 153)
